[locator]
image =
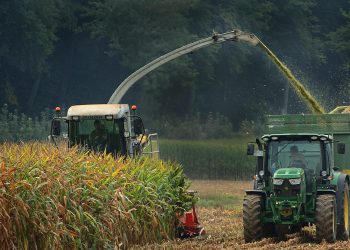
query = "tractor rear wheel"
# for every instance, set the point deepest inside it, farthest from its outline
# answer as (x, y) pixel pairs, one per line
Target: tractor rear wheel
(326, 218)
(343, 228)
(252, 212)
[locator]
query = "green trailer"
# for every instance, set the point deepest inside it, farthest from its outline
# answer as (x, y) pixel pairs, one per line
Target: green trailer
(302, 177)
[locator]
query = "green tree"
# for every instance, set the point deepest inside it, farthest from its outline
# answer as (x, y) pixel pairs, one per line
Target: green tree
(27, 38)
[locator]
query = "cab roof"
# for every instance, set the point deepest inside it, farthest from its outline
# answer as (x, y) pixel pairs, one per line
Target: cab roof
(297, 136)
(94, 111)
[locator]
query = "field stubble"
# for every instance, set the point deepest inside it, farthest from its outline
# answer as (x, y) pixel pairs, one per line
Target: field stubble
(224, 225)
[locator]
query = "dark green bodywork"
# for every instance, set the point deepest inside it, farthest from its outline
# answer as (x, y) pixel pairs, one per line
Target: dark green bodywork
(289, 204)
(288, 173)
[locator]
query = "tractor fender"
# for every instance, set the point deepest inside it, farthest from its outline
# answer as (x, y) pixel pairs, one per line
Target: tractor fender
(322, 191)
(342, 178)
(259, 192)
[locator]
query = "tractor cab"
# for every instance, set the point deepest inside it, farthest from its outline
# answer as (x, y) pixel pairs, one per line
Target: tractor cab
(106, 128)
(308, 155)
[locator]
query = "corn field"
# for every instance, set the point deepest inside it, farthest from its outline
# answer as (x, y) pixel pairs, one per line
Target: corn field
(15, 126)
(211, 159)
(65, 199)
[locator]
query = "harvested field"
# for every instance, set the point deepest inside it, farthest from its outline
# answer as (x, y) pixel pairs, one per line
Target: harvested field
(224, 225)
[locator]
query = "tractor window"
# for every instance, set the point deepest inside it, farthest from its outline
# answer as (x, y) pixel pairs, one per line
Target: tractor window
(99, 135)
(300, 154)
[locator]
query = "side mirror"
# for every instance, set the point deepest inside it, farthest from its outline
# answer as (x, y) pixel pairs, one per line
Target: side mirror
(250, 149)
(138, 126)
(56, 128)
(341, 148)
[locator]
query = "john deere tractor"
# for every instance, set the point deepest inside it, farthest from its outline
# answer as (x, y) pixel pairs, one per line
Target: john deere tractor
(301, 179)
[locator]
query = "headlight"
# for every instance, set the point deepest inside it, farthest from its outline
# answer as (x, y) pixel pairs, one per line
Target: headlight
(323, 173)
(277, 181)
(295, 181)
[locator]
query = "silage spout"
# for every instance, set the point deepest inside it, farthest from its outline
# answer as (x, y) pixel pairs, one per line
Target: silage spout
(234, 35)
(216, 38)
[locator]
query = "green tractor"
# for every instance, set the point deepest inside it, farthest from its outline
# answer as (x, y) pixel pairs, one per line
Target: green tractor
(302, 177)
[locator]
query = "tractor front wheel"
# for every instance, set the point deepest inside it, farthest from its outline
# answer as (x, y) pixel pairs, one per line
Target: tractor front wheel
(252, 212)
(326, 218)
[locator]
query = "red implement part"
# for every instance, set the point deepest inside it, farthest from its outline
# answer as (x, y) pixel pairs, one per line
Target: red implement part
(188, 225)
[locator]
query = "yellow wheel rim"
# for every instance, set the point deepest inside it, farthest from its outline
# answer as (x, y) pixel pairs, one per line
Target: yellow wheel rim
(346, 210)
(333, 218)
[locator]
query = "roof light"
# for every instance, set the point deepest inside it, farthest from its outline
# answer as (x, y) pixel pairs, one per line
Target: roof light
(57, 109)
(133, 107)
(275, 138)
(314, 137)
(323, 138)
(266, 139)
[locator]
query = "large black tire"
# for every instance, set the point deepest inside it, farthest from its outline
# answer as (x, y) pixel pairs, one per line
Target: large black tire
(252, 211)
(254, 229)
(326, 218)
(343, 227)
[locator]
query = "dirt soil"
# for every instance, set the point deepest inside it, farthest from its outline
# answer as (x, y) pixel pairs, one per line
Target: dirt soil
(225, 229)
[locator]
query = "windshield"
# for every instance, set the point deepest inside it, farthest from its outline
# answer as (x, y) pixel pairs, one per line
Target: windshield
(299, 154)
(98, 135)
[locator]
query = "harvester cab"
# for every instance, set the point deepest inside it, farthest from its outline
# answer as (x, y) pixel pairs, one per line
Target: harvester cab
(301, 178)
(109, 128)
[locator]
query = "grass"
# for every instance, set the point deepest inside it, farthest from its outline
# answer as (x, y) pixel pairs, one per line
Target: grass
(220, 193)
(211, 159)
(65, 199)
(219, 201)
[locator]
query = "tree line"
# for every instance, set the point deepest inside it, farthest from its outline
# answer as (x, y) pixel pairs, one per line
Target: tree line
(64, 52)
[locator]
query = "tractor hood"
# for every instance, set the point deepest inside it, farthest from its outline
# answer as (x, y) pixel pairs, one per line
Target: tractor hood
(288, 173)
